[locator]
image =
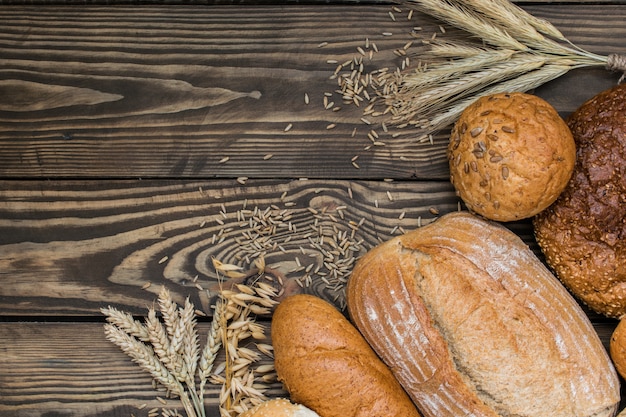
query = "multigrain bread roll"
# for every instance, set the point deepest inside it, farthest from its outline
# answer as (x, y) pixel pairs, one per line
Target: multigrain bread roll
(279, 407)
(326, 365)
(473, 324)
(510, 156)
(617, 347)
(583, 234)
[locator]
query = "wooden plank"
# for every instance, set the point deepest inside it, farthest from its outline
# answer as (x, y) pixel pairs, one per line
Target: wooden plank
(70, 369)
(70, 247)
(170, 92)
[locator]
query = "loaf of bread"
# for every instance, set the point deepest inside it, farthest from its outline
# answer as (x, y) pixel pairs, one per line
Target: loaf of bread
(510, 156)
(473, 324)
(279, 407)
(326, 365)
(583, 234)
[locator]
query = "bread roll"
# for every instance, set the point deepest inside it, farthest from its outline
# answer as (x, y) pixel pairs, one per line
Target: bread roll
(473, 324)
(617, 347)
(583, 234)
(510, 156)
(326, 365)
(279, 407)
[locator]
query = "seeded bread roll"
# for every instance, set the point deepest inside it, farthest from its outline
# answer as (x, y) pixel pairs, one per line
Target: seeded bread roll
(510, 156)
(279, 407)
(583, 234)
(473, 324)
(326, 365)
(617, 348)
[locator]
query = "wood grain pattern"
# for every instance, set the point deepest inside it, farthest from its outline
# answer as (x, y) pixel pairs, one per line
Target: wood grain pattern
(68, 247)
(170, 92)
(123, 131)
(70, 369)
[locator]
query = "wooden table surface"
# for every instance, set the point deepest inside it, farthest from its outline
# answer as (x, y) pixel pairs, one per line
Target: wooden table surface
(139, 142)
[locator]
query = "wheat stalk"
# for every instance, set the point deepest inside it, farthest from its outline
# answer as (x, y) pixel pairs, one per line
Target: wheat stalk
(126, 322)
(169, 349)
(489, 68)
(508, 50)
(211, 347)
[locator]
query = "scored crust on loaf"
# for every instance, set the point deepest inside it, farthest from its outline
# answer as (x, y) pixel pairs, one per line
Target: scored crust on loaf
(472, 323)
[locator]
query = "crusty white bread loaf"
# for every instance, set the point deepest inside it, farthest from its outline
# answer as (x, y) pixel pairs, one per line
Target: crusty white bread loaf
(279, 407)
(473, 324)
(326, 365)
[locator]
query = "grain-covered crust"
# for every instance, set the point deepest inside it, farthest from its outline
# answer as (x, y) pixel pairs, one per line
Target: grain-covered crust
(583, 234)
(510, 156)
(326, 365)
(472, 323)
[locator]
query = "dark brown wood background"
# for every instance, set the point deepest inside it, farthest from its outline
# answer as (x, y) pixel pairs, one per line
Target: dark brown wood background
(131, 135)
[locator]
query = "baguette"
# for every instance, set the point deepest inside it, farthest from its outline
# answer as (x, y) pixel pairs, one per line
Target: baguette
(326, 365)
(473, 324)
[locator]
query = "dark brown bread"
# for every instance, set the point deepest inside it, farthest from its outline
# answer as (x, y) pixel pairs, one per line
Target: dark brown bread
(510, 156)
(326, 365)
(583, 234)
(472, 323)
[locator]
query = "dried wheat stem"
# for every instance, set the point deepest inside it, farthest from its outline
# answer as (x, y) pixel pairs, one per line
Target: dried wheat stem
(169, 311)
(126, 322)
(159, 340)
(441, 72)
(523, 82)
(211, 347)
(419, 105)
(190, 343)
(460, 16)
(144, 356)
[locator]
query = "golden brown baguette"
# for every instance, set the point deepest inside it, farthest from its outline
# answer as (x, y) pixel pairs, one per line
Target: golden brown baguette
(472, 323)
(326, 365)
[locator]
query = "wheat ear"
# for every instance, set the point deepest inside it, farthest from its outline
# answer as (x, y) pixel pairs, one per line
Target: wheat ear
(143, 356)
(126, 322)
